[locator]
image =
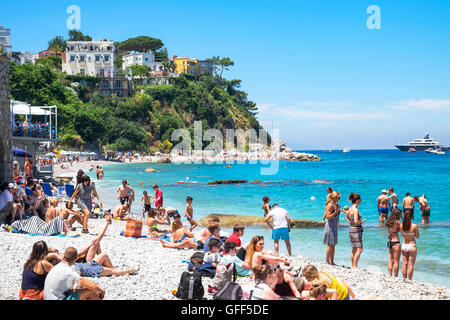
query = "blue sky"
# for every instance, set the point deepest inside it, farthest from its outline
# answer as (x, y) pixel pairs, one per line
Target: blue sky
(313, 67)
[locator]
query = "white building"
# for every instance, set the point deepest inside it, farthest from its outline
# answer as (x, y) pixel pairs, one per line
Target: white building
(91, 58)
(5, 40)
(25, 57)
(142, 59)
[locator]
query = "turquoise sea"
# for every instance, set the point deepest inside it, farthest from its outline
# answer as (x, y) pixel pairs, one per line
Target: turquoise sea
(365, 172)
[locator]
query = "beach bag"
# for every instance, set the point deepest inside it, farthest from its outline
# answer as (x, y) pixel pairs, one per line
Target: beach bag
(190, 287)
(196, 260)
(230, 291)
(133, 229)
(224, 274)
(206, 270)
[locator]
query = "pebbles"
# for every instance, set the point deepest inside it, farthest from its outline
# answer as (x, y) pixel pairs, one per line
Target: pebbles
(161, 268)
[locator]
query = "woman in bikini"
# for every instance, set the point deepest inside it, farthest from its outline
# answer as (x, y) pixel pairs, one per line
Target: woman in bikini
(393, 244)
(355, 231)
(181, 237)
(410, 231)
(266, 207)
(152, 223)
(256, 256)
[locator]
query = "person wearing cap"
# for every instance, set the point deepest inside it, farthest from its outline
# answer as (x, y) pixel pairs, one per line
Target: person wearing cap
(8, 209)
(383, 204)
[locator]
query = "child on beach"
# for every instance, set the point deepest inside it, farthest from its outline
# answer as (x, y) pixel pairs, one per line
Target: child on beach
(213, 255)
(147, 203)
(189, 212)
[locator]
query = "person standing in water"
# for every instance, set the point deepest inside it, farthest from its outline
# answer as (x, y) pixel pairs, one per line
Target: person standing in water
(266, 207)
(146, 198)
(354, 219)
(424, 208)
(393, 244)
(410, 231)
(394, 198)
(125, 194)
(408, 203)
(383, 204)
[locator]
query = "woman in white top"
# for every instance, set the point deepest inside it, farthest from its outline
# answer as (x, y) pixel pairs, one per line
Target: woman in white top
(410, 231)
(265, 279)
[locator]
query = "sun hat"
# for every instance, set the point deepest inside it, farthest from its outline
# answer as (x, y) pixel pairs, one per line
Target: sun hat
(11, 185)
(383, 191)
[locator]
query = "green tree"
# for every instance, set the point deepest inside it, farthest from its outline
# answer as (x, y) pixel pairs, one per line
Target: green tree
(57, 44)
(220, 64)
(51, 61)
(75, 35)
(141, 44)
(139, 70)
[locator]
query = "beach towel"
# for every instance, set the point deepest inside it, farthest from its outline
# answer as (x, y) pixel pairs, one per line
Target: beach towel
(35, 225)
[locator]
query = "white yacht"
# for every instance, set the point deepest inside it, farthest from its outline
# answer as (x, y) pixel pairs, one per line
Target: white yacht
(435, 150)
(421, 144)
(346, 150)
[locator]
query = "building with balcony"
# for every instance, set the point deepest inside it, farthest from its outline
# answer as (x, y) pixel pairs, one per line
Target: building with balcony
(192, 65)
(5, 41)
(91, 58)
(21, 58)
(141, 59)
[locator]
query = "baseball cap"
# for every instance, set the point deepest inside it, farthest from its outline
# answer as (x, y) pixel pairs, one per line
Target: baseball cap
(383, 191)
(10, 185)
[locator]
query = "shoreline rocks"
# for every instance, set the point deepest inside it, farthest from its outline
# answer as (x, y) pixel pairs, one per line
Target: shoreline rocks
(229, 220)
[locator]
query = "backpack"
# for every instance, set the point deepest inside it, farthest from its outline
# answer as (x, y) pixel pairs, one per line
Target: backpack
(190, 287)
(224, 273)
(230, 291)
(206, 270)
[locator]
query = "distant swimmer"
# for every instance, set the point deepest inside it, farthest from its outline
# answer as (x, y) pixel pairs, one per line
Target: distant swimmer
(408, 203)
(383, 204)
(424, 208)
(394, 198)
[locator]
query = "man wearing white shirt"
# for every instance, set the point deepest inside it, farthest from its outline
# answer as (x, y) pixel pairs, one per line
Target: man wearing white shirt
(8, 209)
(281, 227)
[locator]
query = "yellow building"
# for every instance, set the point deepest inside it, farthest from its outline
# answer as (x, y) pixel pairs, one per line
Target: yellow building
(185, 65)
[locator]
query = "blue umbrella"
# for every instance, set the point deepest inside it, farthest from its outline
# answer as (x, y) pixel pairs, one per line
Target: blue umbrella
(21, 153)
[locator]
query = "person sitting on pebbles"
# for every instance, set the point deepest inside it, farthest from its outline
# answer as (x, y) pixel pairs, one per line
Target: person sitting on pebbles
(152, 223)
(181, 237)
(96, 263)
(121, 213)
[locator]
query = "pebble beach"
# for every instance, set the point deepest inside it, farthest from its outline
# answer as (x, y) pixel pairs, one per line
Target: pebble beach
(161, 268)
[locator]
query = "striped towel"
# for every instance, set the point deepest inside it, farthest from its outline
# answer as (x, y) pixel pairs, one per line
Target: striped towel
(35, 225)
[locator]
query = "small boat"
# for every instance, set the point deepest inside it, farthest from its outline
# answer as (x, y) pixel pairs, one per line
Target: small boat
(412, 150)
(346, 150)
(435, 151)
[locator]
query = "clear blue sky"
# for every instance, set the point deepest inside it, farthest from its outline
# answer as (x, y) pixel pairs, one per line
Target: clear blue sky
(313, 67)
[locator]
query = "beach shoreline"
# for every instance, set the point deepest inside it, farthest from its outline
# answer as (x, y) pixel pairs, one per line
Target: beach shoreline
(161, 268)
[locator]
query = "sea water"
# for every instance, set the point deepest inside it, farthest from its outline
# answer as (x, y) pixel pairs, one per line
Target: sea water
(365, 172)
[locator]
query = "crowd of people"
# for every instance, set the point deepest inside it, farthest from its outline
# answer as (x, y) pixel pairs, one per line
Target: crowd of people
(49, 274)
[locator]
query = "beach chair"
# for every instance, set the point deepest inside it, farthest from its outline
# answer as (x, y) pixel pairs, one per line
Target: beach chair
(46, 188)
(70, 188)
(62, 193)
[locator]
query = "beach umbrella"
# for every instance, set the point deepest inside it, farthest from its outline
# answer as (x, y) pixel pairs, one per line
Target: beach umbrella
(21, 153)
(137, 155)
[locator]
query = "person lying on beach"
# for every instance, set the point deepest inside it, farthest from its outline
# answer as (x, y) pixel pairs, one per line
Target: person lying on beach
(319, 291)
(344, 291)
(152, 223)
(257, 256)
(287, 285)
(146, 199)
(181, 237)
(189, 213)
(92, 262)
(64, 283)
(265, 281)
(34, 273)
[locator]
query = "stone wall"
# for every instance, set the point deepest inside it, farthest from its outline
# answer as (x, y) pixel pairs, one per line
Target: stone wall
(5, 121)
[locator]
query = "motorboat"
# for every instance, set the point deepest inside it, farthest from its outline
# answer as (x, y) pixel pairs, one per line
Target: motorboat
(421, 144)
(412, 150)
(435, 150)
(346, 150)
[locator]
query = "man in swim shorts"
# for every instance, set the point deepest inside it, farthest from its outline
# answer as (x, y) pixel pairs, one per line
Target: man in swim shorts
(408, 203)
(383, 206)
(424, 209)
(168, 213)
(189, 212)
(125, 194)
(394, 198)
(147, 203)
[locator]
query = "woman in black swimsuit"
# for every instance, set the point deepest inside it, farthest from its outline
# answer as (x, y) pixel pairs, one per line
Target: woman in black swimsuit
(393, 244)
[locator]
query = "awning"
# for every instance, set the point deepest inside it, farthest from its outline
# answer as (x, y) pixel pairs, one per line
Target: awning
(25, 109)
(21, 153)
